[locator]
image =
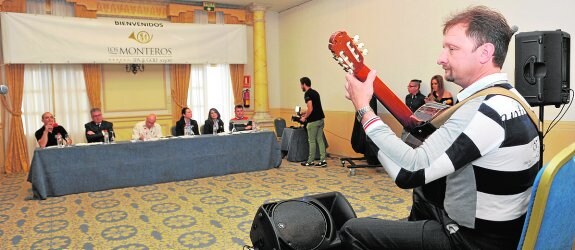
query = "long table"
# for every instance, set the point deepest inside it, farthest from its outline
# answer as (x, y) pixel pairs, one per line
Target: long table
(77, 169)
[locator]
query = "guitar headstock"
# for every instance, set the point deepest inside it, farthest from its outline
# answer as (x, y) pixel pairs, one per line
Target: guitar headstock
(346, 51)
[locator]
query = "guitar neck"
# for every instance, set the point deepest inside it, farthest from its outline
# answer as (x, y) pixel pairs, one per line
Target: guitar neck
(390, 101)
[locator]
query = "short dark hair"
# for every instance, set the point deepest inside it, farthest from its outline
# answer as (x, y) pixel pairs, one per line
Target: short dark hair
(485, 25)
(95, 110)
(416, 81)
(239, 106)
(305, 80)
(184, 110)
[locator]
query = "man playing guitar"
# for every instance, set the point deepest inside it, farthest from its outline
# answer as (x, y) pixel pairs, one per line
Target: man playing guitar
(472, 177)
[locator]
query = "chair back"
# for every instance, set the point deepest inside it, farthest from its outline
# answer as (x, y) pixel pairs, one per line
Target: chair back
(279, 125)
(201, 129)
(550, 219)
(173, 130)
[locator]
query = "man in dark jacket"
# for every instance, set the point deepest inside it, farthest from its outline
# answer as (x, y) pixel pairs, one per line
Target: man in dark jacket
(414, 99)
(96, 126)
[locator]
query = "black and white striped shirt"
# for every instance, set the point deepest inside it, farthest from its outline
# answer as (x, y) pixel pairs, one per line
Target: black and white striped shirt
(487, 154)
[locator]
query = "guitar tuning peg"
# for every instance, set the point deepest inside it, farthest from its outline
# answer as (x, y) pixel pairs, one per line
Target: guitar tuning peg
(364, 52)
(356, 38)
(360, 45)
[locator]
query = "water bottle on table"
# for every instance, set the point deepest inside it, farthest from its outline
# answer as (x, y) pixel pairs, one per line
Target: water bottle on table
(106, 137)
(59, 140)
(112, 137)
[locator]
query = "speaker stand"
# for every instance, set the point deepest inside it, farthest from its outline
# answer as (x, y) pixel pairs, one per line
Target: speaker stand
(541, 145)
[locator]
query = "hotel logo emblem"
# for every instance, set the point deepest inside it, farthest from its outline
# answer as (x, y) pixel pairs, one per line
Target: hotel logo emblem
(141, 37)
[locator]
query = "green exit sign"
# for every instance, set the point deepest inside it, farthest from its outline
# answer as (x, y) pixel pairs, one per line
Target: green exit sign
(209, 6)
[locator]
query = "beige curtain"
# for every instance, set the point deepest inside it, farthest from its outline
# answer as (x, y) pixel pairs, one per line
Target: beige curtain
(180, 74)
(237, 75)
(16, 151)
(92, 72)
(93, 77)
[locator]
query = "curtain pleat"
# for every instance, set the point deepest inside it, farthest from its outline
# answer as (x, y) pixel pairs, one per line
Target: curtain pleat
(237, 75)
(93, 77)
(16, 151)
(180, 75)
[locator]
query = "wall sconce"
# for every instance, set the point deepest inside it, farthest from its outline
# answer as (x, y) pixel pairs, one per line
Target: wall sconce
(134, 68)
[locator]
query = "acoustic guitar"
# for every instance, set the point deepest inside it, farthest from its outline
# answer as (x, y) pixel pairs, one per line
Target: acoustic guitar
(349, 53)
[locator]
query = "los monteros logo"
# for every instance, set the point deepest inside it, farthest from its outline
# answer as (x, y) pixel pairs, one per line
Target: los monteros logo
(141, 37)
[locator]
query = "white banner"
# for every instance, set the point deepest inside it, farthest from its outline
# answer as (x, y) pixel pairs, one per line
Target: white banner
(44, 39)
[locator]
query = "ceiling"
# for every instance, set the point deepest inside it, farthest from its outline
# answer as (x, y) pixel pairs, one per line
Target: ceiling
(272, 5)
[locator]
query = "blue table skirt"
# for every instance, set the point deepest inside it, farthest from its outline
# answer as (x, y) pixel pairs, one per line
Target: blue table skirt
(294, 143)
(78, 169)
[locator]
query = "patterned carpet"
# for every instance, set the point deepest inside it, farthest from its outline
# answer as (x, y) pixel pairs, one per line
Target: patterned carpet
(208, 213)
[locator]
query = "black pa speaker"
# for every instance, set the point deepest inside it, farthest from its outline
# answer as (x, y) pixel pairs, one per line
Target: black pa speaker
(309, 222)
(542, 67)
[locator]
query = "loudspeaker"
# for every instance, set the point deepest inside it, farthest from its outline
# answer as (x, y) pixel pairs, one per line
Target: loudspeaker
(309, 222)
(542, 67)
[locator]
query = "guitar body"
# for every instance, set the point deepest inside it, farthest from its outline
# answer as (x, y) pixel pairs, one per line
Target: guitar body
(349, 55)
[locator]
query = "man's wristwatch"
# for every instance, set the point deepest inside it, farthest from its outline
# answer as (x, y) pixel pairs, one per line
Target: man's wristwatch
(362, 111)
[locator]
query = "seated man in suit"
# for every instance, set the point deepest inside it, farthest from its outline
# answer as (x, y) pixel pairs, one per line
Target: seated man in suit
(46, 135)
(96, 126)
(147, 129)
(241, 122)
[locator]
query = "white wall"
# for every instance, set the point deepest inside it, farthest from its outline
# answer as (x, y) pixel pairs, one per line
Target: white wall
(403, 37)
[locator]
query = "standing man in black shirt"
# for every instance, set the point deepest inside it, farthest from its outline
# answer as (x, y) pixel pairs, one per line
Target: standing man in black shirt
(414, 99)
(314, 118)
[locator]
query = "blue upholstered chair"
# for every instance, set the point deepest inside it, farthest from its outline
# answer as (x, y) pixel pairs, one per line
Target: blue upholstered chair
(173, 130)
(279, 125)
(550, 222)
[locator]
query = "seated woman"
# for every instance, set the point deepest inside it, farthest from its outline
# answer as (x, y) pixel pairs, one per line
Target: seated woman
(213, 121)
(186, 120)
(438, 92)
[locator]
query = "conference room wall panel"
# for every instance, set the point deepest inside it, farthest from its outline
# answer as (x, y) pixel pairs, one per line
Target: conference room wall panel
(128, 92)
